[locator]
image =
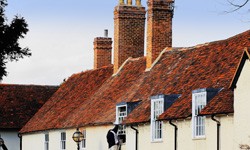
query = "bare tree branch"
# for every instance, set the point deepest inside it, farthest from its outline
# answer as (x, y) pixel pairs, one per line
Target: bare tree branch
(237, 6)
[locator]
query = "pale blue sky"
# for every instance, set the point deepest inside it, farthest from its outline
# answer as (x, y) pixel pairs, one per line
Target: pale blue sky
(62, 32)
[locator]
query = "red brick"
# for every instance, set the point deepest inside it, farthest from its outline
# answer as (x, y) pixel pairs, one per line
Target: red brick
(159, 30)
(129, 23)
(102, 52)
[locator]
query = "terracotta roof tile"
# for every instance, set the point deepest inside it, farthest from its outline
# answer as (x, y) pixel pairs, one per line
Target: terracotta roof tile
(71, 94)
(19, 103)
(90, 98)
(220, 104)
(214, 66)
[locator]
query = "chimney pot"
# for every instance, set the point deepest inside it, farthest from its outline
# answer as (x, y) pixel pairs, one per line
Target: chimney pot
(121, 2)
(106, 33)
(129, 2)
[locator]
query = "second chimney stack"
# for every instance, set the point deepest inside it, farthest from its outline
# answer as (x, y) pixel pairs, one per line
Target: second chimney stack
(102, 50)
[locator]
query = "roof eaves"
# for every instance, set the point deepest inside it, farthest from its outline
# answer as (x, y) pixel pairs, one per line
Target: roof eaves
(175, 118)
(216, 113)
(245, 55)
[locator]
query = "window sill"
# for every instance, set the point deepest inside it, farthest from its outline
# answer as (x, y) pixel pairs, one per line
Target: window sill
(157, 141)
(199, 138)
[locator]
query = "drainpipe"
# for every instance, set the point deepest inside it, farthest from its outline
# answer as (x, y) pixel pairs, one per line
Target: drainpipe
(175, 134)
(4, 147)
(21, 140)
(218, 131)
(136, 137)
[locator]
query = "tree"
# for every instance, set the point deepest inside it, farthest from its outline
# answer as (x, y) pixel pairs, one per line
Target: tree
(237, 6)
(10, 49)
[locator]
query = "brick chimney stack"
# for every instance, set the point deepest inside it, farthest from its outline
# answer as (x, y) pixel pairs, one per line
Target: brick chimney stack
(102, 51)
(159, 30)
(129, 22)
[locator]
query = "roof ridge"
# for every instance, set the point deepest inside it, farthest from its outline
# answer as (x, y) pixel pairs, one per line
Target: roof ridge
(91, 70)
(208, 43)
(123, 64)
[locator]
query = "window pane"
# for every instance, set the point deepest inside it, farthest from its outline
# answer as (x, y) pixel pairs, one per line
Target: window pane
(122, 114)
(199, 102)
(156, 109)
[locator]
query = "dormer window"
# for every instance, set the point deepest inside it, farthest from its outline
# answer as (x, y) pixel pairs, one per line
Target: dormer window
(159, 103)
(122, 110)
(121, 115)
(200, 98)
(199, 101)
(157, 108)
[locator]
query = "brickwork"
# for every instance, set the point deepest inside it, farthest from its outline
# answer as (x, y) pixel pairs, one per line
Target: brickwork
(102, 52)
(159, 32)
(129, 22)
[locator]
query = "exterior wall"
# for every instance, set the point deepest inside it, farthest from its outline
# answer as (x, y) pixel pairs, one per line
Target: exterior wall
(36, 140)
(33, 141)
(95, 139)
(159, 30)
(129, 24)
(11, 139)
(102, 52)
(185, 140)
(241, 108)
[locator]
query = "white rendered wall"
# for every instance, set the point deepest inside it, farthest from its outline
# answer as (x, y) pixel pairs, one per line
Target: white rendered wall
(33, 141)
(242, 108)
(95, 139)
(185, 140)
(11, 139)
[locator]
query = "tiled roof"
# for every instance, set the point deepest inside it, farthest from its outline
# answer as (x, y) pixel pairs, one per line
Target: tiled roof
(18, 103)
(211, 65)
(71, 95)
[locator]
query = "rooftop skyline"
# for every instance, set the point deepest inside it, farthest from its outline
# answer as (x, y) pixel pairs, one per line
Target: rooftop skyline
(61, 33)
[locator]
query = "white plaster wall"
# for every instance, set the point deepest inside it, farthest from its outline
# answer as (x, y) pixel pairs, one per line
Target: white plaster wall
(11, 139)
(36, 140)
(242, 108)
(185, 140)
(95, 139)
(33, 141)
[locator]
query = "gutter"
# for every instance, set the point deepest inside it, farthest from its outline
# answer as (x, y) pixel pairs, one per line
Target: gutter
(136, 137)
(218, 131)
(175, 134)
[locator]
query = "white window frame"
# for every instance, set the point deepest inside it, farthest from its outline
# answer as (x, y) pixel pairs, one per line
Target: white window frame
(199, 101)
(83, 142)
(120, 116)
(157, 108)
(46, 141)
(63, 141)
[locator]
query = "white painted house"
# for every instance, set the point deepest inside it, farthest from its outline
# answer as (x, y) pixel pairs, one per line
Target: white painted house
(191, 98)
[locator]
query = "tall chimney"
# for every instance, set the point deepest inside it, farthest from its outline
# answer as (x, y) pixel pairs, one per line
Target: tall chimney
(129, 31)
(102, 50)
(159, 31)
